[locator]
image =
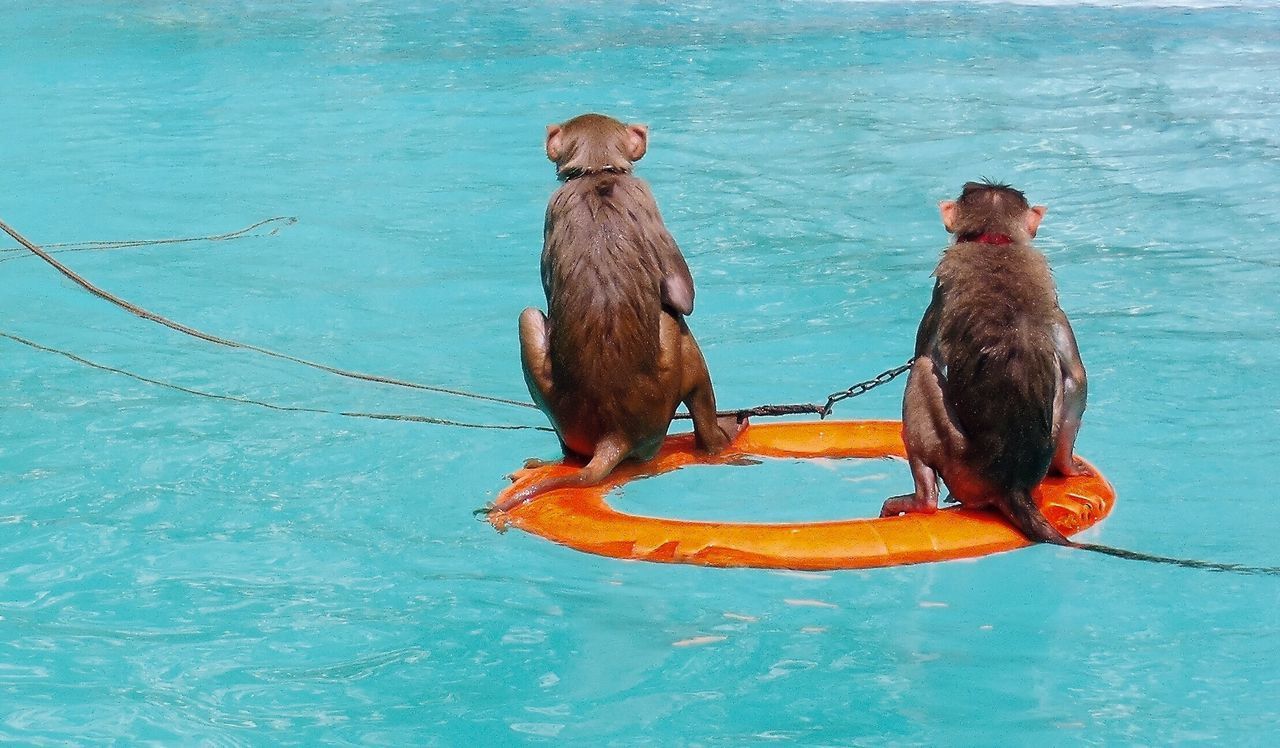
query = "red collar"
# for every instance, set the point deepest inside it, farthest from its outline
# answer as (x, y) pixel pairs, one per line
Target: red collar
(997, 239)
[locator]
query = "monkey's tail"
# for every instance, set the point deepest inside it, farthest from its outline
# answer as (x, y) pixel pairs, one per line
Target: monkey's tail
(1022, 511)
(609, 452)
(1003, 392)
(1031, 522)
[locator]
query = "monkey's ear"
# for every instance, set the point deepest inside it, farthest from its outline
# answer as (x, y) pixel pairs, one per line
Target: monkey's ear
(1035, 214)
(553, 142)
(637, 141)
(948, 210)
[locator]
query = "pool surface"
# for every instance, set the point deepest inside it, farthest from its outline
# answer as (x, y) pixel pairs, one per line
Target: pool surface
(184, 570)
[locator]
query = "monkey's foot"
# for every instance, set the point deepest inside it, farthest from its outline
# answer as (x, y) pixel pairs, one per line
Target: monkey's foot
(533, 463)
(731, 426)
(907, 504)
(1075, 468)
(494, 516)
(728, 426)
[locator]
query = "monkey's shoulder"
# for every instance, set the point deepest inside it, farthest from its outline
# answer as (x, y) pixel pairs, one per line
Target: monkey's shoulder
(1013, 264)
(613, 211)
(604, 187)
(979, 281)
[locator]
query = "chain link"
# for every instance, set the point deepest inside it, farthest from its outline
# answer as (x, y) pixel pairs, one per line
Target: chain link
(883, 377)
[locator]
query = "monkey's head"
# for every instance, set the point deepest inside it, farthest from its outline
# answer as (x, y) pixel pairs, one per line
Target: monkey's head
(593, 143)
(988, 207)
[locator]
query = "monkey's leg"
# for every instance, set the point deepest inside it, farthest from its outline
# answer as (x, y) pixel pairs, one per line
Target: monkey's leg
(1069, 407)
(711, 432)
(1069, 400)
(925, 498)
(930, 435)
(1064, 461)
(535, 360)
(535, 357)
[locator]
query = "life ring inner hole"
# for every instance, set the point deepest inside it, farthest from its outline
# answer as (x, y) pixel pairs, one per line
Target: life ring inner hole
(776, 489)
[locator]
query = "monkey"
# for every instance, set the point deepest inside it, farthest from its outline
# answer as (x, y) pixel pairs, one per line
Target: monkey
(613, 356)
(996, 393)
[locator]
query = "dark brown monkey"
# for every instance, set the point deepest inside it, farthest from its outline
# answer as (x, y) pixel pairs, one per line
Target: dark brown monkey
(995, 396)
(613, 357)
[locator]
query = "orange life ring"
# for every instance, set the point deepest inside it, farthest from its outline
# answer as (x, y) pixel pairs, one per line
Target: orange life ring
(581, 518)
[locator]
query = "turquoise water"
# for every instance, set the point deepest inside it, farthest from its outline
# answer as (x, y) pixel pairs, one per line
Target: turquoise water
(181, 570)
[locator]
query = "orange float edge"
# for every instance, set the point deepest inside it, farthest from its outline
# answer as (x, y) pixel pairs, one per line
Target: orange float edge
(580, 518)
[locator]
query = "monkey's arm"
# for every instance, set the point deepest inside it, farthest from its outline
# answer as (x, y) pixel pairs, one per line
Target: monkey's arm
(548, 227)
(927, 334)
(1075, 390)
(677, 282)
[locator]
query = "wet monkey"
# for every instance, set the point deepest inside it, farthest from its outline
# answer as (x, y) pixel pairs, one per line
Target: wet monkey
(995, 396)
(613, 357)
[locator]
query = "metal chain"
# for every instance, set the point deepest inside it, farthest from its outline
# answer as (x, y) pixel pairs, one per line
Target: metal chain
(883, 377)
(822, 411)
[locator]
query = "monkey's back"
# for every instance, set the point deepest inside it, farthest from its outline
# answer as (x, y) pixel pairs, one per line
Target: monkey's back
(602, 278)
(995, 328)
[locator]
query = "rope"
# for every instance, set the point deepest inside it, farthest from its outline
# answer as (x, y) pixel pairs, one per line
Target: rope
(765, 410)
(91, 246)
(193, 332)
(271, 406)
(822, 411)
(741, 414)
(1187, 563)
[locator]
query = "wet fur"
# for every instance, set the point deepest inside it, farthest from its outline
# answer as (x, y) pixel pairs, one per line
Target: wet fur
(987, 407)
(1003, 374)
(613, 357)
(997, 390)
(608, 294)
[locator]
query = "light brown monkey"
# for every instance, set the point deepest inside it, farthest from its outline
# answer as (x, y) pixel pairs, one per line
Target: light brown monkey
(613, 357)
(996, 393)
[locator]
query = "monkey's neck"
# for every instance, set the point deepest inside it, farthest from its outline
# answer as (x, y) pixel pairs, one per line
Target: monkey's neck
(577, 172)
(986, 238)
